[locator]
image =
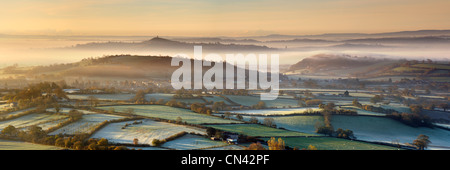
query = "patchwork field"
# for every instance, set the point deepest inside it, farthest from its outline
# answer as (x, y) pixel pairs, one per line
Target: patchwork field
(258, 130)
(144, 132)
(86, 124)
(387, 130)
(295, 123)
(267, 112)
(170, 113)
(67, 110)
(329, 143)
(15, 113)
(190, 142)
(367, 128)
(33, 119)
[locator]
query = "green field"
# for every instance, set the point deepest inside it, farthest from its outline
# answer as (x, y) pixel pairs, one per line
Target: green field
(168, 97)
(216, 99)
(170, 113)
(408, 69)
(330, 143)
(258, 130)
(369, 128)
(16, 145)
(437, 66)
(299, 123)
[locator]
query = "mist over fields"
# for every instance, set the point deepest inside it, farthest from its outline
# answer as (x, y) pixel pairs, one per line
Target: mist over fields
(44, 50)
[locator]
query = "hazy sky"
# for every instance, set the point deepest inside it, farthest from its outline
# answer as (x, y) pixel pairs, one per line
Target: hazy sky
(215, 18)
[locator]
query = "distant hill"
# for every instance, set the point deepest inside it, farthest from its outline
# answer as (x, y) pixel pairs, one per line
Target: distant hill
(367, 67)
(405, 40)
(162, 44)
(110, 67)
(322, 62)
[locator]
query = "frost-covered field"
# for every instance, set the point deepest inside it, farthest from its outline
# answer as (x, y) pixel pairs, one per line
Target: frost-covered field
(398, 107)
(387, 130)
(15, 113)
(85, 125)
(4, 107)
(67, 110)
(32, 119)
(50, 124)
(170, 113)
(189, 142)
(145, 132)
(268, 112)
(368, 128)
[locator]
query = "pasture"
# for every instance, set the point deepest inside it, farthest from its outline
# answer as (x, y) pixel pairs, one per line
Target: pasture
(47, 120)
(145, 132)
(169, 113)
(190, 142)
(271, 112)
(17, 145)
(330, 143)
(86, 124)
(258, 130)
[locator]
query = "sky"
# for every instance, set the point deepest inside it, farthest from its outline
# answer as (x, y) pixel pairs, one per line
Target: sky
(220, 18)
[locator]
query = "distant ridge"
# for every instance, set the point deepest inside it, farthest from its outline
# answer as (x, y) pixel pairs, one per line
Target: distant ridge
(358, 35)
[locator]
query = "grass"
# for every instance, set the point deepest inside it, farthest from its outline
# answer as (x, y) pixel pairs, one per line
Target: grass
(383, 129)
(15, 113)
(275, 111)
(295, 123)
(408, 69)
(216, 99)
(170, 113)
(330, 143)
(86, 124)
(258, 130)
(114, 97)
(16, 145)
(253, 100)
(189, 142)
(144, 132)
(367, 128)
(31, 119)
(168, 97)
(437, 66)
(363, 112)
